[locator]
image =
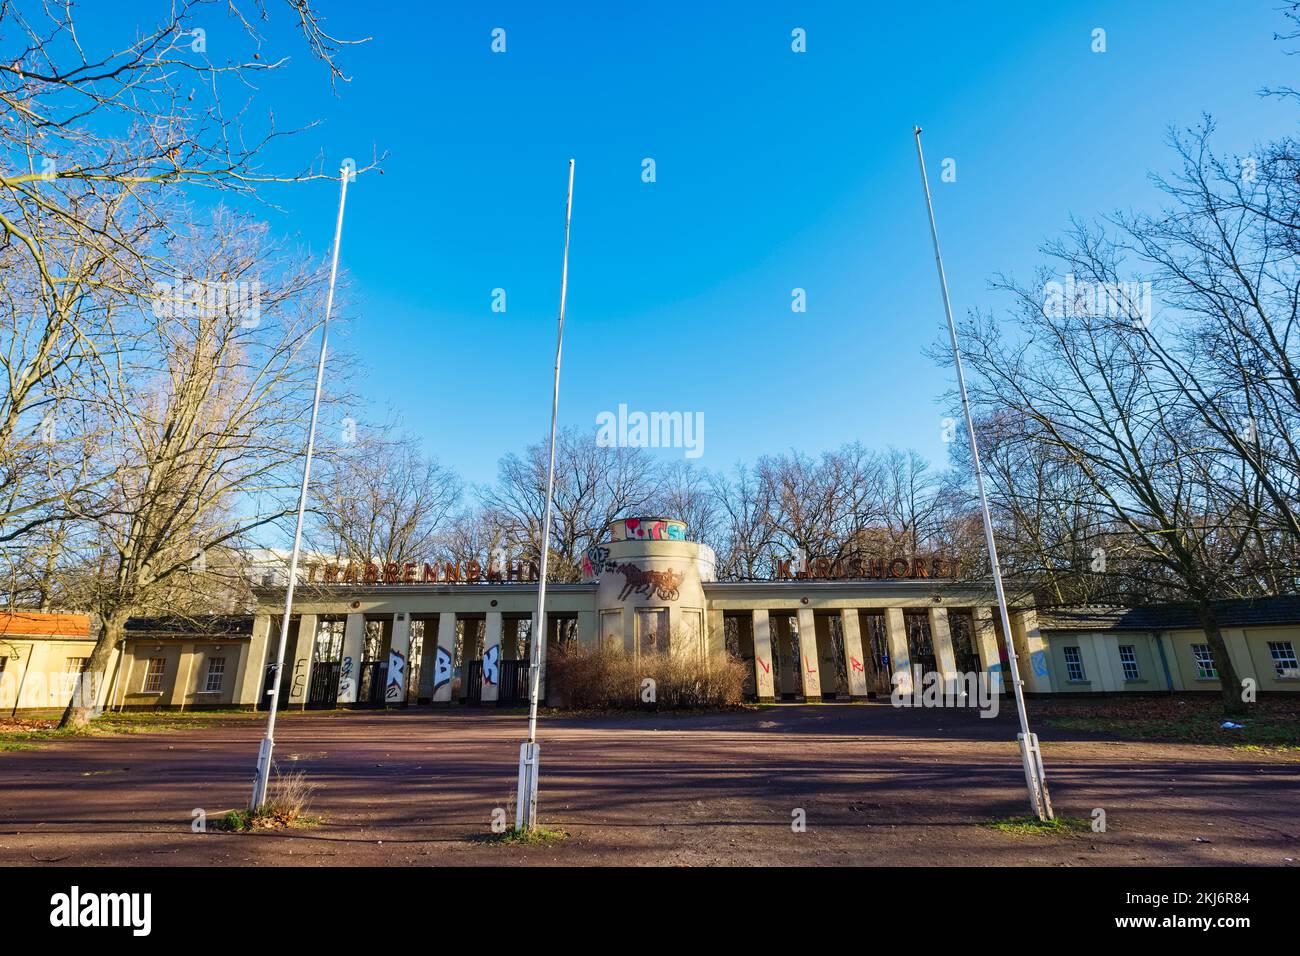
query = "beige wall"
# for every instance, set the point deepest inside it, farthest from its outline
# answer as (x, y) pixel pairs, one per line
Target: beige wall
(33, 676)
(185, 670)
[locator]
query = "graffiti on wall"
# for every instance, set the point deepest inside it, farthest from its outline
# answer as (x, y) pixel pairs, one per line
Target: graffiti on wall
(441, 667)
(661, 584)
(395, 691)
(299, 678)
(347, 682)
(594, 561)
(1039, 661)
(648, 529)
(491, 664)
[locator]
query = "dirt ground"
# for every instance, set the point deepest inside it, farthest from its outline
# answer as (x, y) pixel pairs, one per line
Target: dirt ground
(878, 786)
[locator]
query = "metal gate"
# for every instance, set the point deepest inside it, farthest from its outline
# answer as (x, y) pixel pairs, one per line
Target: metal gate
(514, 683)
(372, 683)
(964, 649)
(877, 654)
(920, 646)
(324, 689)
(473, 684)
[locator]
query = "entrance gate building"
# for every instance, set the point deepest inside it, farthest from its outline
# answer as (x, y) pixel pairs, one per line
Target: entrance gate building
(393, 640)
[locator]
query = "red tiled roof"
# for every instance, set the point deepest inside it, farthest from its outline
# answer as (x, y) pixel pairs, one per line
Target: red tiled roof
(36, 624)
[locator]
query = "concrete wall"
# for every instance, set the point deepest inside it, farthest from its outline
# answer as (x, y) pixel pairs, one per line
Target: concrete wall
(34, 672)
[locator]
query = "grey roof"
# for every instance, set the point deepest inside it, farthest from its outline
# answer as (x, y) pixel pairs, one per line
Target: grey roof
(1242, 612)
(205, 625)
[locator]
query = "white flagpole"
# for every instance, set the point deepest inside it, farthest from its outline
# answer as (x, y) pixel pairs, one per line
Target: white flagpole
(268, 742)
(1031, 757)
(529, 752)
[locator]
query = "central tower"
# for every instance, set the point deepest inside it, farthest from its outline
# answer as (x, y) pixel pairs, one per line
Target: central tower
(650, 599)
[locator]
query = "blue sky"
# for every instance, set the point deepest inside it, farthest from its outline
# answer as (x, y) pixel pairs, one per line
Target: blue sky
(775, 170)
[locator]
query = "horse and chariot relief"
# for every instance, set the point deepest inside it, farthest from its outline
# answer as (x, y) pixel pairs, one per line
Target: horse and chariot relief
(661, 584)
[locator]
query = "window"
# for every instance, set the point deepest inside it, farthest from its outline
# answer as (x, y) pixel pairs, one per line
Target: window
(216, 673)
(1282, 652)
(72, 667)
(1205, 669)
(153, 675)
(1074, 664)
(1128, 657)
(3, 662)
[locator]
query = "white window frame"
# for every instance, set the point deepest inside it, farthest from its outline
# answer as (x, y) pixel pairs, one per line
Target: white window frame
(1283, 655)
(220, 674)
(149, 674)
(1074, 670)
(1205, 669)
(1131, 661)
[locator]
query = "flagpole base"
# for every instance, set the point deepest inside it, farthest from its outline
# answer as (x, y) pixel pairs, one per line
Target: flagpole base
(530, 755)
(1031, 757)
(263, 776)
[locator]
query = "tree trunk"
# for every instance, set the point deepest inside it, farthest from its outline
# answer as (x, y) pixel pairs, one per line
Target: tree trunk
(1229, 682)
(85, 696)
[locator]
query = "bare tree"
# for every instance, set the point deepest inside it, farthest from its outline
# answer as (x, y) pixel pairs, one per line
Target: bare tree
(1089, 392)
(204, 413)
(93, 139)
(594, 485)
(683, 491)
(381, 500)
(747, 532)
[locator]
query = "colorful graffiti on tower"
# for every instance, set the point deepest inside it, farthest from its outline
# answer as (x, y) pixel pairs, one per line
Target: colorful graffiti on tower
(647, 529)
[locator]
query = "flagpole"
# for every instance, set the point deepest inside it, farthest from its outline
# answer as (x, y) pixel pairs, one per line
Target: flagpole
(263, 775)
(1030, 755)
(529, 752)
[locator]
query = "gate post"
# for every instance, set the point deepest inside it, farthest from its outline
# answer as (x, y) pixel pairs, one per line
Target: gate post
(941, 640)
(299, 666)
(350, 667)
(986, 640)
(764, 684)
(809, 661)
(491, 658)
(398, 649)
(900, 662)
(854, 660)
(443, 657)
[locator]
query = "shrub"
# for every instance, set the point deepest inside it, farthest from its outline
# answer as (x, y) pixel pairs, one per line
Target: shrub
(609, 678)
(286, 806)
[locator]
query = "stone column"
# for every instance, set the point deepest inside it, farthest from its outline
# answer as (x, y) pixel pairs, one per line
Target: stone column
(443, 657)
(298, 666)
(716, 640)
(986, 640)
(399, 648)
(492, 658)
(354, 633)
(763, 676)
(248, 690)
(900, 662)
(1032, 651)
(854, 661)
(809, 661)
(941, 638)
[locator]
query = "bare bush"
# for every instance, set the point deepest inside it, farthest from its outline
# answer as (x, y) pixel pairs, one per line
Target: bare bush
(606, 677)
